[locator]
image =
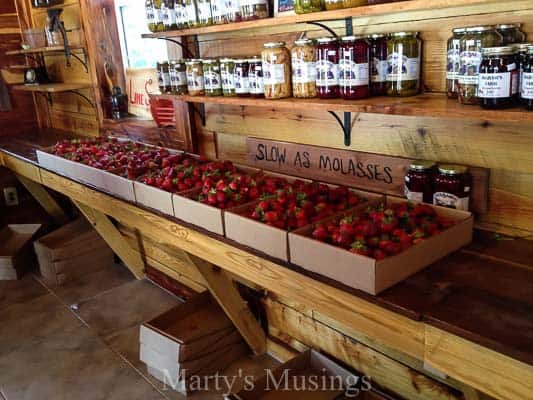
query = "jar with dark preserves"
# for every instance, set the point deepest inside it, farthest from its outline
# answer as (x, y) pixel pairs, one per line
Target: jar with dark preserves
(333, 4)
(419, 181)
(354, 68)
(378, 64)
(227, 70)
(254, 9)
(498, 77)
(526, 92)
(178, 77)
(403, 57)
(241, 78)
(521, 58)
(327, 67)
(472, 43)
(195, 77)
(510, 33)
(255, 77)
(453, 184)
(303, 69)
(163, 77)
(453, 63)
(308, 6)
(212, 81)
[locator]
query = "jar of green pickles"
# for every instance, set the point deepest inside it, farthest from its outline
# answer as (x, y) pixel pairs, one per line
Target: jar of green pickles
(511, 33)
(212, 81)
(308, 6)
(472, 43)
(154, 15)
(181, 14)
(195, 77)
(178, 76)
(227, 69)
(168, 14)
(453, 62)
(192, 14)
(403, 60)
(163, 77)
(333, 4)
(205, 17)
(218, 10)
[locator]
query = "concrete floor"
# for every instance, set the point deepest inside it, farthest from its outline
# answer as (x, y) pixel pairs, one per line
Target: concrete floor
(81, 341)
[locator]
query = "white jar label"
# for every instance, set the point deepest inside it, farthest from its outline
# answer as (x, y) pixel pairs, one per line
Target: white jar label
(164, 79)
(413, 196)
(527, 85)
(469, 67)
(195, 81)
(177, 78)
(326, 73)
(494, 86)
(228, 83)
(204, 11)
(151, 15)
(379, 70)
(449, 200)
(212, 80)
(453, 64)
(352, 74)
(241, 82)
(181, 14)
(233, 6)
(402, 68)
(191, 13)
(303, 72)
(218, 8)
(273, 74)
(256, 82)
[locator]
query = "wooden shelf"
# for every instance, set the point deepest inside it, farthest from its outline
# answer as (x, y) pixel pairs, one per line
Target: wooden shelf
(426, 105)
(52, 87)
(365, 11)
(54, 49)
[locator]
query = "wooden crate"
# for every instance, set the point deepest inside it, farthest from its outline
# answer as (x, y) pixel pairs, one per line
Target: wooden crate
(15, 249)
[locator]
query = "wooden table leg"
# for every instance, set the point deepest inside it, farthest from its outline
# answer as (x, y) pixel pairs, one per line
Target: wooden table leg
(223, 289)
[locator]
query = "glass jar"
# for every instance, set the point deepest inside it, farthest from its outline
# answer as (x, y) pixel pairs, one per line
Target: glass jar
(510, 33)
(378, 64)
(152, 15)
(178, 76)
(205, 17)
(353, 3)
(498, 77)
(227, 69)
(254, 9)
(419, 181)
(521, 58)
(218, 10)
(327, 67)
(233, 10)
(192, 13)
(526, 90)
(303, 69)
(354, 68)
(195, 77)
(403, 58)
(333, 4)
(472, 43)
(241, 78)
(181, 14)
(308, 6)
(452, 185)
(255, 75)
(163, 77)
(276, 70)
(453, 62)
(168, 15)
(212, 81)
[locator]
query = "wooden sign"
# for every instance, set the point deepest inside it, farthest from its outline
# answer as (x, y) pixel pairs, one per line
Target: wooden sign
(369, 171)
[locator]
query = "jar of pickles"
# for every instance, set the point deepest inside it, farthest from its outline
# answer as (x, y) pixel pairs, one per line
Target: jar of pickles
(163, 77)
(191, 12)
(233, 11)
(452, 185)
(153, 15)
(472, 42)
(205, 17)
(195, 77)
(419, 181)
(227, 69)
(212, 80)
(168, 15)
(453, 62)
(327, 64)
(510, 33)
(181, 14)
(403, 58)
(333, 4)
(354, 68)
(218, 10)
(526, 91)
(241, 78)
(276, 61)
(255, 76)
(308, 6)
(378, 64)
(178, 77)
(353, 3)
(254, 9)
(303, 68)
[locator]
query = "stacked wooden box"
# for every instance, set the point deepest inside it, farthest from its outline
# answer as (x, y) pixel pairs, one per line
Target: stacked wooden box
(194, 338)
(15, 250)
(71, 251)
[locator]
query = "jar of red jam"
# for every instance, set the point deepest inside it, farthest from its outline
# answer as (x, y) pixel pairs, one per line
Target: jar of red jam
(419, 181)
(498, 77)
(378, 64)
(327, 65)
(453, 184)
(354, 68)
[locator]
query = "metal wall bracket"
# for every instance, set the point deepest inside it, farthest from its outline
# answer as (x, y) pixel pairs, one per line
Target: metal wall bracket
(346, 126)
(325, 27)
(82, 61)
(82, 96)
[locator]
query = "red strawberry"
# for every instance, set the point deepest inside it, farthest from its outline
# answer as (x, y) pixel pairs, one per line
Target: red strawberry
(320, 233)
(271, 216)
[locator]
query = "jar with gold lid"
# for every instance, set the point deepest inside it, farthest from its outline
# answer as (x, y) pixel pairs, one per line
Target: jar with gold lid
(303, 64)
(419, 181)
(276, 62)
(453, 185)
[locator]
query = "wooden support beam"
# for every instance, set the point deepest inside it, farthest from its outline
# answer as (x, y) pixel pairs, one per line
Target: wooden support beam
(114, 239)
(44, 199)
(224, 291)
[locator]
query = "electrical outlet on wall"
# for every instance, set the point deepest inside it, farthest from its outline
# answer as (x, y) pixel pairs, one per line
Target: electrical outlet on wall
(11, 196)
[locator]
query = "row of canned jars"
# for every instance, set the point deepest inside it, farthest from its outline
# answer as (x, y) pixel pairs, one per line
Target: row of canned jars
(351, 68)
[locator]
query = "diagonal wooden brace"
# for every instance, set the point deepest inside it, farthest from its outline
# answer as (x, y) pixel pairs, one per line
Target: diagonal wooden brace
(114, 239)
(223, 289)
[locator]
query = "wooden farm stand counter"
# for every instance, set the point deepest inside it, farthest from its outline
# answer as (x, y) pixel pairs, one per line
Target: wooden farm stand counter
(466, 321)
